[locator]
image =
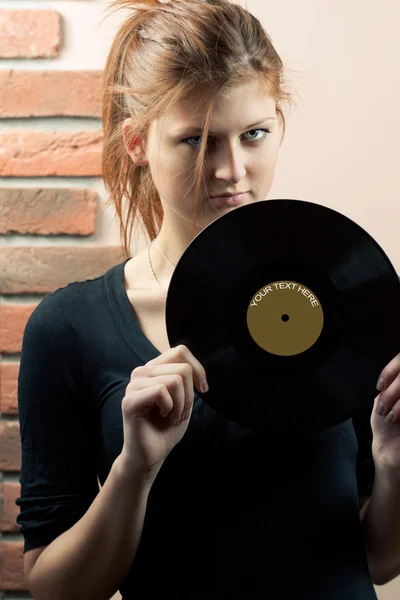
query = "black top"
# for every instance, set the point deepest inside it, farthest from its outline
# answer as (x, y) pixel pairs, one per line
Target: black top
(231, 510)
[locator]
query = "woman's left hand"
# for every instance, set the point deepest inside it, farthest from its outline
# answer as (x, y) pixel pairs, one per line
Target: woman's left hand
(385, 420)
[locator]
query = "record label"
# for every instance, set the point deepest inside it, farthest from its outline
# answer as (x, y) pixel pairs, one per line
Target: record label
(285, 318)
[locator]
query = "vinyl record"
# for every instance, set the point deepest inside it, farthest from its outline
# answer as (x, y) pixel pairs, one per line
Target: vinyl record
(293, 310)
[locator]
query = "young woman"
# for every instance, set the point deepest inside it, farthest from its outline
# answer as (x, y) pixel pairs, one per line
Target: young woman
(191, 505)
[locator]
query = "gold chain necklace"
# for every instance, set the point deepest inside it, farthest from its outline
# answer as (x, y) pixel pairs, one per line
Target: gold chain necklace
(151, 266)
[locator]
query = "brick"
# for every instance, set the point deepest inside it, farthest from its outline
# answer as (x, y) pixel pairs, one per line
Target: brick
(12, 567)
(2, 510)
(8, 518)
(47, 153)
(42, 269)
(50, 93)
(13, 319)
(47, 211)
(29, 33)
(10, 446)
(9, 387)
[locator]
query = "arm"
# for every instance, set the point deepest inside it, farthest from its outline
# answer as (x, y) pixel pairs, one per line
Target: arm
(89, 537)
(92, 558)
(380, 518)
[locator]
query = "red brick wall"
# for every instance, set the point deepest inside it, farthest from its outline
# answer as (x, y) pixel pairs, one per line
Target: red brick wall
(41, 212)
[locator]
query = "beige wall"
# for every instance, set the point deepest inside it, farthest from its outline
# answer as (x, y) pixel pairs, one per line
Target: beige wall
(342, 144)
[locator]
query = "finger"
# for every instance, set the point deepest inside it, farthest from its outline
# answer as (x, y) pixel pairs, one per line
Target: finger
(388, 398)
(185, 370)
(393, 416)
(389, 373)
(175, 387)
(146, 399)
(182, 353)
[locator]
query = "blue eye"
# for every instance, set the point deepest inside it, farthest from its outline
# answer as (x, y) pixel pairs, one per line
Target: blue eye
(264, 133)
(196, 137)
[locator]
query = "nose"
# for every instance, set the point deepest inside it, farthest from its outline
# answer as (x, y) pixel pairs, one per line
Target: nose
(229, 163)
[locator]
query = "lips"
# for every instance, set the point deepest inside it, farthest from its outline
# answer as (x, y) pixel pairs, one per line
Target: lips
(228, 199)
(227, 195)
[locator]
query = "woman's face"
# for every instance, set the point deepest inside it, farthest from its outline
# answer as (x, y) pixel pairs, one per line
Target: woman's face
(243, 144)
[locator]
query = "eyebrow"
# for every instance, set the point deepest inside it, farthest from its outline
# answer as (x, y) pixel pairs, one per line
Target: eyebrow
(189, 128)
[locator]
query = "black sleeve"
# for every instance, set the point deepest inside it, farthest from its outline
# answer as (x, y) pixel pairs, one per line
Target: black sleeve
(365, 462)
(58, 468)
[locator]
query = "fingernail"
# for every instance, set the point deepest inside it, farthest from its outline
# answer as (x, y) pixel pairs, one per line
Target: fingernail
(204, 386)
(390, 417)
(380, 385)
(381, 409)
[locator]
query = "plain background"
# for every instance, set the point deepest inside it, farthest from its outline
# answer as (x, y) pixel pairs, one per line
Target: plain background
(341, 147)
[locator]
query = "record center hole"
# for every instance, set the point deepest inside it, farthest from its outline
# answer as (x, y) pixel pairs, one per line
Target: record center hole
(285, 318)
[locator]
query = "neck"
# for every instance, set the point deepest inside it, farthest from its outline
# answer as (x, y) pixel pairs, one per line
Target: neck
(174, 237)
(173, 243)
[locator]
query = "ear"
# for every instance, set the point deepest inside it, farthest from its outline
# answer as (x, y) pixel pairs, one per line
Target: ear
(134, 144)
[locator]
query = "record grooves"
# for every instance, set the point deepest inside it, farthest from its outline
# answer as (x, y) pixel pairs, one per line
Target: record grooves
(293, 310)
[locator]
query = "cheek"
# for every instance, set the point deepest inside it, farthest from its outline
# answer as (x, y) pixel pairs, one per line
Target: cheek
(263, 170)
(163, 171)
(171, 177)
(172, 164)
(269, 160)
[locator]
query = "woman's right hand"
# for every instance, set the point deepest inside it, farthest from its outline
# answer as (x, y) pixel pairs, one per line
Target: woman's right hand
(156, 408)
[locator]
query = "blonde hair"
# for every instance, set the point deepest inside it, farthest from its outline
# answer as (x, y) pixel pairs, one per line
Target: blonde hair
(163, 52)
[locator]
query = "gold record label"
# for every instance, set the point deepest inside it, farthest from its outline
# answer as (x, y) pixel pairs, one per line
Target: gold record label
(285, 318)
